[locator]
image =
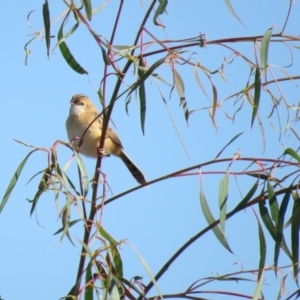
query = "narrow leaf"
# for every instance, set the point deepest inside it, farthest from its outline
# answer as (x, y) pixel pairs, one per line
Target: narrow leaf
(43, 186)
(257, 89)
(265, 49)
(70, 225)
(88, 9)
(223, 197)
(264, 213)
(257, 292)
(233, 139)
(14, 181)
(292, 153)
(228, 3)
(179, 84)
(210, 220)
(88, 292)
(262, 250)
(67, 55)
(142, 94)
(115, 253)
(274, 207)
(146, 267)
(295, 235)
(247, 198)
(215, 103)
(46, 17)
(160, 10)
(279, 227)
(146, 75)
(84, 176)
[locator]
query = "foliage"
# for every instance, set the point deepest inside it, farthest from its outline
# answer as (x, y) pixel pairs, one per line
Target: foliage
(100, 270)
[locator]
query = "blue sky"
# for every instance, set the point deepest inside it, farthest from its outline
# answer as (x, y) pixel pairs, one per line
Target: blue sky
(157, 220)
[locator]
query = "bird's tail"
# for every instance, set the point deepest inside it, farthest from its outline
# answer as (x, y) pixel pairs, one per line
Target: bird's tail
(134, 170)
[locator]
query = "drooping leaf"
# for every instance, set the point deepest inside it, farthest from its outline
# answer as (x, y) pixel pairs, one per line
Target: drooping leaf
(88, 291)
(264, 49)
(265, 216)
(145, 75)
(295, 235)
(262, 250)
(71, 223)
(118, 264)
(274, 207)
(132, 287)
(43, 186)
(159, 11)
(142, 95)
(210, 220)
(215, 103)
(88, 9)
(257, 90)
(179, 84)
(66, 53)
(14, 181)
(148, 270)
(84, 175)
(279, 226)
(46, 17)
(223, 197)
(228, 3)
(258, 289)
(292, 153)
(247, 198)
(233, 139)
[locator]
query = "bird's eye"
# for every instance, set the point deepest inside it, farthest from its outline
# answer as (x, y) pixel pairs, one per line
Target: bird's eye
(81, 103)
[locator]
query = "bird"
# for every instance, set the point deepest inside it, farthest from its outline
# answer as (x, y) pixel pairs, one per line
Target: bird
(82, 114)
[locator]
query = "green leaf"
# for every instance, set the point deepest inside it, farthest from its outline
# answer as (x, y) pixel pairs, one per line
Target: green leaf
(233, 139)
(264, 213)
(146, 75)
(223, 197)
(273, 203)
(247, 198)
(228, 3)
(70, 225)
(88, 9)
(46, 17)
(67, 55)
(84, 176)
(146, 267)
(43, 186)
(262, 250)
(295, 235)
(160, 10)
(179, 84)
(257, 292)
(292, 153)
(71, 294)
(66, 179)
(14, 181)
(132, 286)
(115, 253)
(116, 288)
(280, 223)
(142, 94)
(264, 49)
(88, 292)
(257, 90)
(215, 103)
(210, 219)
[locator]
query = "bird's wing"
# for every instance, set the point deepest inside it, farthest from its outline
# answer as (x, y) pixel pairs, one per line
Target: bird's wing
(109, 132)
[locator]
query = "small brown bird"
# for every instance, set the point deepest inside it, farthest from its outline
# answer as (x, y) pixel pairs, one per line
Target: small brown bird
(82, 113)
